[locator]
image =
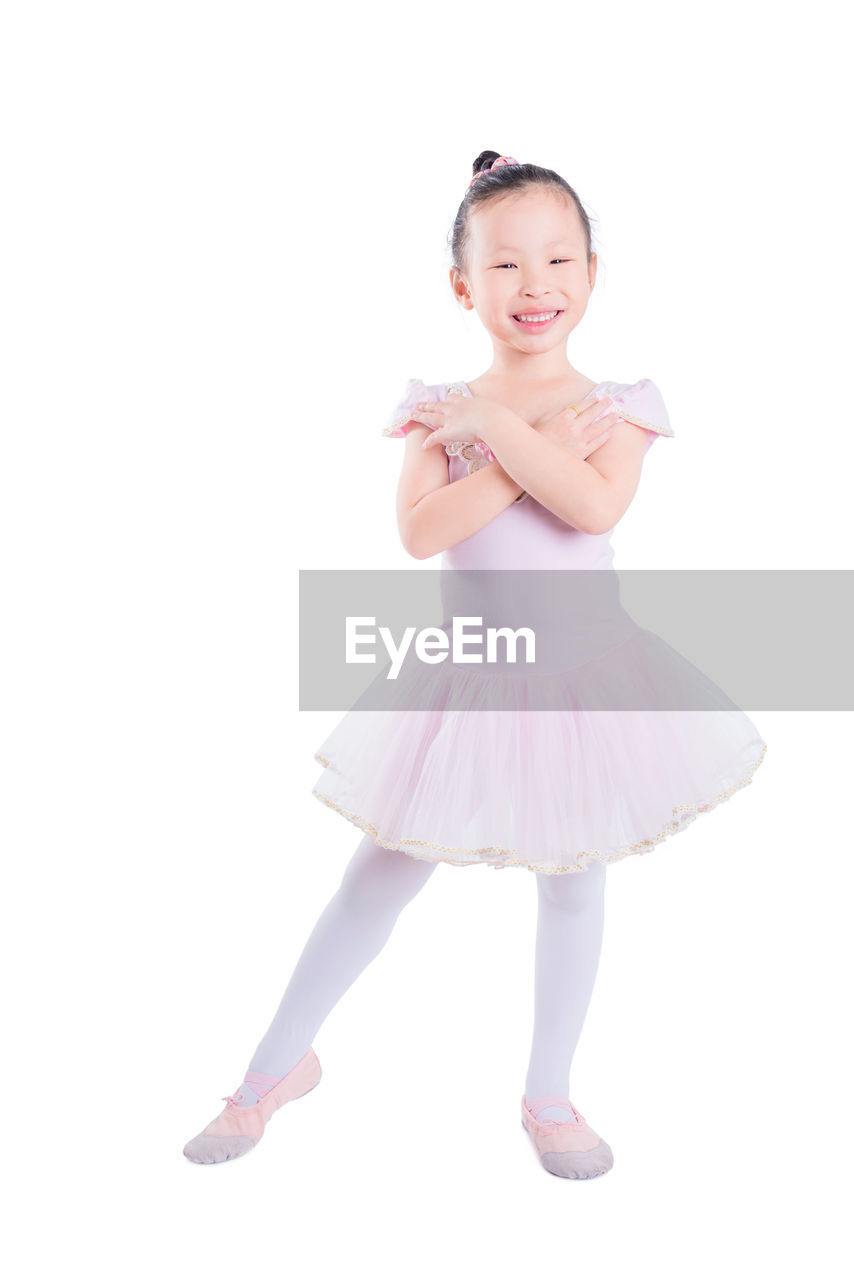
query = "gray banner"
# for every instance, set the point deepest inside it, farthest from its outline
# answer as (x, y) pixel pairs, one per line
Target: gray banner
(596, 639)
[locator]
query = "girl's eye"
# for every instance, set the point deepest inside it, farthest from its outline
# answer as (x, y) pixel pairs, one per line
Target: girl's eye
(512, 264)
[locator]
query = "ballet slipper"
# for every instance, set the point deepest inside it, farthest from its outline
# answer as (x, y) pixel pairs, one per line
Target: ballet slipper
(567, 1148)
(237, 1129)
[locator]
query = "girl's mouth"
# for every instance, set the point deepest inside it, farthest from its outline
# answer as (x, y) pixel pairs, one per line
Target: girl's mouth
(536, 321)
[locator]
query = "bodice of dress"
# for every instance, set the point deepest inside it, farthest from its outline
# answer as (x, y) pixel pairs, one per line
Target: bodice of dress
(527, 535)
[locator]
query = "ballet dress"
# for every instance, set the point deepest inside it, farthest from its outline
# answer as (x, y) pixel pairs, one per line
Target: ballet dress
(554, 769)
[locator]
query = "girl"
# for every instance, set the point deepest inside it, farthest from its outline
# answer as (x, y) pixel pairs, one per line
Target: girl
(530, 465)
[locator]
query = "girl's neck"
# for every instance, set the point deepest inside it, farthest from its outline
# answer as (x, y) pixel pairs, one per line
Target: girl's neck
(498, 383)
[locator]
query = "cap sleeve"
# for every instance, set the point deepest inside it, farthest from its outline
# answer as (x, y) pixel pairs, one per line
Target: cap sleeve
(643, 404)
(400, 421)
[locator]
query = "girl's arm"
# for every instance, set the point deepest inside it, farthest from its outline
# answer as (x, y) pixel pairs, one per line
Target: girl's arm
(591, 495)
(434, 514)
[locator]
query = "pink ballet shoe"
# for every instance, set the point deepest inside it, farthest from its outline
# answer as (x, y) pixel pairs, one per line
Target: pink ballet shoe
(237, 1129)
(568, 1148)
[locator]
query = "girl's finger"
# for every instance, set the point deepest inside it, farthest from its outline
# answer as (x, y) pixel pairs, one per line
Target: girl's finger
(610, 418)
(582, 407)
(590, 399)
(598, 406)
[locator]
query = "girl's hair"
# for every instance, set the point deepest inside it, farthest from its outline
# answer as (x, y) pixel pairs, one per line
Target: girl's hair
(498, 182)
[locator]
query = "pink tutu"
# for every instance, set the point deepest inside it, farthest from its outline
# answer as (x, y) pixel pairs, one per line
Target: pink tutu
(482, 773)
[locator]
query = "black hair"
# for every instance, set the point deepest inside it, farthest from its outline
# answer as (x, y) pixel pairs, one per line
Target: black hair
(498, 182)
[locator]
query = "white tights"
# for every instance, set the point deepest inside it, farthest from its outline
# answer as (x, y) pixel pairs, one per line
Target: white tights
(358, 920)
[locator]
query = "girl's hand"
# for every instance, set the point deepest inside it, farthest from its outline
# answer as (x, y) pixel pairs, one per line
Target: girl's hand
(458, 418)
(577, 432)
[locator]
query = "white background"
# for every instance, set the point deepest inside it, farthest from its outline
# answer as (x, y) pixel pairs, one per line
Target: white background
(224, 253)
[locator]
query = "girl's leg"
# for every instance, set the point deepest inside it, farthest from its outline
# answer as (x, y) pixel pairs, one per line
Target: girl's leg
(570, 924)
(351, 931)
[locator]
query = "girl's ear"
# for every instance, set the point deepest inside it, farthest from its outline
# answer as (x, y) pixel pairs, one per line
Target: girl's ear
(460, 288)
(591, 270)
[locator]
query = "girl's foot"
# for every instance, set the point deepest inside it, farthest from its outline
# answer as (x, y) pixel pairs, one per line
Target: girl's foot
(238, 1127)
(569, 1149)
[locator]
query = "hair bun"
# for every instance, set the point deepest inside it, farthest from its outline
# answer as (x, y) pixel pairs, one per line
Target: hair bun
(484, 162)
(498, 163)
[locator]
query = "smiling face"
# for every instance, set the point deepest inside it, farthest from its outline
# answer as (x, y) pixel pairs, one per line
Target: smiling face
(527, 256)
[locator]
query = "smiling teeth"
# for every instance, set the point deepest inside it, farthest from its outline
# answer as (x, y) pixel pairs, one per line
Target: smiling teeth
(542, 315)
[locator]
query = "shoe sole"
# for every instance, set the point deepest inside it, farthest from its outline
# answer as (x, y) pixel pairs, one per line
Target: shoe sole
(238, 1154)
(580, 1158)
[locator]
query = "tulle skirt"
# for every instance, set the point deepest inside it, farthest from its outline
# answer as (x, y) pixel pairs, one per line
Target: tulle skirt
(480, 773)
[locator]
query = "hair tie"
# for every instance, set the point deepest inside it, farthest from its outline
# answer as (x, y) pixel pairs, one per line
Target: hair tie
(496, 164)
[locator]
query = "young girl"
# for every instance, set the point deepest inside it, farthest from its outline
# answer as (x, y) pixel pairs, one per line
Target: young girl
(529, 466)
